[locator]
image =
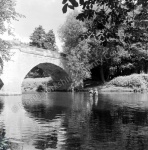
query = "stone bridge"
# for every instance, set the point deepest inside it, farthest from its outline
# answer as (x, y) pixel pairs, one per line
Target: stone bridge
(23, 59)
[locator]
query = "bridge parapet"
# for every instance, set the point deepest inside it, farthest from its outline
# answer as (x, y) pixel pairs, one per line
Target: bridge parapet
(38, 51)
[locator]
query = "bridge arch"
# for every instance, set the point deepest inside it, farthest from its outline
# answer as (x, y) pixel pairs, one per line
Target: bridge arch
(59, 77)
(26, 58)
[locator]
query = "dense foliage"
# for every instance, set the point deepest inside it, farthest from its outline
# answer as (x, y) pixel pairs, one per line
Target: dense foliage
(41, 39)
(7, 13)
(138, 82)
(77, 50)
(116, 32)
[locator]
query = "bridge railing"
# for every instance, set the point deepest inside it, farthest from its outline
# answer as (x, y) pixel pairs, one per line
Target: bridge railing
(41, 52)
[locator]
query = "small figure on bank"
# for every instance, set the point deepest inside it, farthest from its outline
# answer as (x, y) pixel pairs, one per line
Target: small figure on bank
(91, 92)
(95, 91)
(72, 90)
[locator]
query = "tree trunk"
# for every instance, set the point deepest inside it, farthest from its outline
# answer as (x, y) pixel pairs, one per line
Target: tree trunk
(102, 73)
(146, 68)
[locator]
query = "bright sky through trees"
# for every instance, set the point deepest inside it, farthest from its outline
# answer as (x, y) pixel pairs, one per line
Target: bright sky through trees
(47, 13)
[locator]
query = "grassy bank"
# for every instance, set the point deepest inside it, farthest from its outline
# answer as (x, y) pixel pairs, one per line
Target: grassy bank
(131, 83)
(33, 84)
(41, 85)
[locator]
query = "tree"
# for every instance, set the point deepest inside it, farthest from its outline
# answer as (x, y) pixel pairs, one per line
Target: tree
(115, 25)
(78, 63)
(71, 31)
(77, 50)
(7, 13)
(41, 39)
(38, 37)
(49, 42)
(111, 18)
(137, 38)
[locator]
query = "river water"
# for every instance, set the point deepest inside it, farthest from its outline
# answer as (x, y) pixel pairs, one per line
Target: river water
(67, 121)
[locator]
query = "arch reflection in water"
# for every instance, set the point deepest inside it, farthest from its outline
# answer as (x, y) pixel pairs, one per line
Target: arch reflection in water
(46, 107)
(35, 127)
(49, 110)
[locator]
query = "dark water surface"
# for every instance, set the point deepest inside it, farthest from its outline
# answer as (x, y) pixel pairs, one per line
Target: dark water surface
(66, 121)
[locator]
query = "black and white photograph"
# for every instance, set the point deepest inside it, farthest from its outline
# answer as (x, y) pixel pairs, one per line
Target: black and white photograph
(73, 74)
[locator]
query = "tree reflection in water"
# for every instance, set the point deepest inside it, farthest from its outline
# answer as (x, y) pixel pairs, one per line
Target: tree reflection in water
(49, 111)
(47, 141)
(115, 122)
(77, 122)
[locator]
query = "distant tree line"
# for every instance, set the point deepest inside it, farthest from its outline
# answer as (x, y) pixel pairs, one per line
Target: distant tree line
(39, 38)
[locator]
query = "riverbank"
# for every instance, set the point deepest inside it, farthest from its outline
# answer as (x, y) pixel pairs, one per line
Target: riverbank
(35, 84)
(45, 84)
(131, 83)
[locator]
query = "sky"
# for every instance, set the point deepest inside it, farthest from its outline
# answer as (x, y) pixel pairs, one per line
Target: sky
(47, 13)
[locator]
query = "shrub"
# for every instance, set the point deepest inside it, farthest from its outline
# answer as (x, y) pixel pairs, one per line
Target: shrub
(40, 88)
(131, 81)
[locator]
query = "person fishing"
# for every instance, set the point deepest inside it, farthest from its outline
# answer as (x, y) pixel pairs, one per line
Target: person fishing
(93, 92)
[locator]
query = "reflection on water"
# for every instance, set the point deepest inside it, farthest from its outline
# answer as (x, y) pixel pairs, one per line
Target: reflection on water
(67, 121)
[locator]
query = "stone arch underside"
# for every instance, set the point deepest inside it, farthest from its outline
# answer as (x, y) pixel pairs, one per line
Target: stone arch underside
(60, 78)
